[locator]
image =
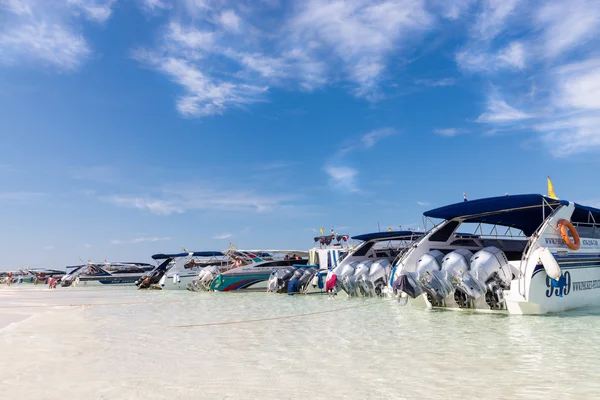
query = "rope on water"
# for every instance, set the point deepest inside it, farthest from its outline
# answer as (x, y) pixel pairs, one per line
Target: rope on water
(279, 317)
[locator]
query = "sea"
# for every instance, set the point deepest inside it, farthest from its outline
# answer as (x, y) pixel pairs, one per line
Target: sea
(122, 343)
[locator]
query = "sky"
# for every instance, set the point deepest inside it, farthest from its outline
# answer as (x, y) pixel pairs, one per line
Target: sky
(133, 127)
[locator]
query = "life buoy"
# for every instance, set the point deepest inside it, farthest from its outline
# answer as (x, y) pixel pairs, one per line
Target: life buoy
(563, 225)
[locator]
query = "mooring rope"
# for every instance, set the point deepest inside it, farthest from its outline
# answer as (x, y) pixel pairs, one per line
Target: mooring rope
(290, 316)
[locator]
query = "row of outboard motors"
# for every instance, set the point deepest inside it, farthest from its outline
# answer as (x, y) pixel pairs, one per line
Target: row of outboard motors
(470, 278)
(367, 278)
(296, 279)
(204, 279)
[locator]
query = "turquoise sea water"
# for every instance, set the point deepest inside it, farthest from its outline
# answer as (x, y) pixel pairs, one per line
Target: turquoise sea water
(84, 343)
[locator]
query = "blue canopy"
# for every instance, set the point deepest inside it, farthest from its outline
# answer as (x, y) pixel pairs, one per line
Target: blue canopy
(525, 211)
(583, 214)
(195, 254)
(386, 235)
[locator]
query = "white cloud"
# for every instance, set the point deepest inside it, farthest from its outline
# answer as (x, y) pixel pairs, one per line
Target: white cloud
(492, 18)
(370, 139)
(573, 126)
(474, 58)
(36, 31)
(140, 240)
(87, 246)
(204, 95)
(230, 20)
(452, 9)
(96, 10)
(436, 82)
(49, 247)
(423, 203)
(359, 34)
(22, 197)
(156, 4)
(149, 239)
(343, 178)
(513, 55)
(498, 111)
(567, 24)
(579, 85)
(222, 236)
(181, 200)
(316, 43)
(448, 131)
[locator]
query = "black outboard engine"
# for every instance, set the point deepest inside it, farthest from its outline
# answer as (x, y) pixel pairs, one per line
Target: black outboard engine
(154, 276)
(279, 279)
(306, 278)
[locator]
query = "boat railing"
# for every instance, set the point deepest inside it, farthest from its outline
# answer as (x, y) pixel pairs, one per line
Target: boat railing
(533, 245)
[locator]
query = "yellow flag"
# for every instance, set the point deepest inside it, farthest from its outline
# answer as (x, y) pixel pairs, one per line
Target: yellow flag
(322, 231)
(551, 193)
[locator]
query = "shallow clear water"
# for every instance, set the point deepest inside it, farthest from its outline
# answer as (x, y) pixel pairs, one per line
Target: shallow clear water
(127, 344)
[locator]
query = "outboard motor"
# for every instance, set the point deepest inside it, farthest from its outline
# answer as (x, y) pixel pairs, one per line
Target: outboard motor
(429, 275)
(306, 278)
(298, 272)
(372, 285)
(204, 279)
(349, 282)
(491, 269)
(279, 279)
(456, 266)
(340, 273)
(153, 277)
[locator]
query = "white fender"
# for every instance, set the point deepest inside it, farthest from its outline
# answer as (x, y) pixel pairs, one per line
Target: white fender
(315, 280)
(549, 262)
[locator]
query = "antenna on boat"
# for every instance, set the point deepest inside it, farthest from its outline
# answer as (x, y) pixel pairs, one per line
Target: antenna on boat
(378, 227)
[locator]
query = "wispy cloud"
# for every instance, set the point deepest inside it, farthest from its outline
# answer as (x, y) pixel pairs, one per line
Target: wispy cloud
(317, 43)
(154, 5)
(204, 95)
(35, 31)
(49, 247)
(223, 236)
(343, 178)
(498, 111)
(140, 240)
(423, 203)
(370, 139)
(567, 25)
(22, 197)
(87, 246)
(513, 55)
(180, 200)
(448, 131)
(436, 82)
(493, 17)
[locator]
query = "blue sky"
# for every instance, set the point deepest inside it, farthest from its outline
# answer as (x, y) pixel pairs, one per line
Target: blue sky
(135, 127)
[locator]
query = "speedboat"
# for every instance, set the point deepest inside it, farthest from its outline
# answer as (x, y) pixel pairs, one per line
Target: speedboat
(251, 269)
(367, 269)
(523, 254)
(98, 274)
(310, 278)
(43, 274)
(177, 271)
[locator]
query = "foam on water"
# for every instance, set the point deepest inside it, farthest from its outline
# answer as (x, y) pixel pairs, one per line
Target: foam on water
(125, 344)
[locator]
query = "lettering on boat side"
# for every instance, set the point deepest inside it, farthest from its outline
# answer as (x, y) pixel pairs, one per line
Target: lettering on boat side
(560, 242)
(559, 288)
(564, 286)
(586, 285)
